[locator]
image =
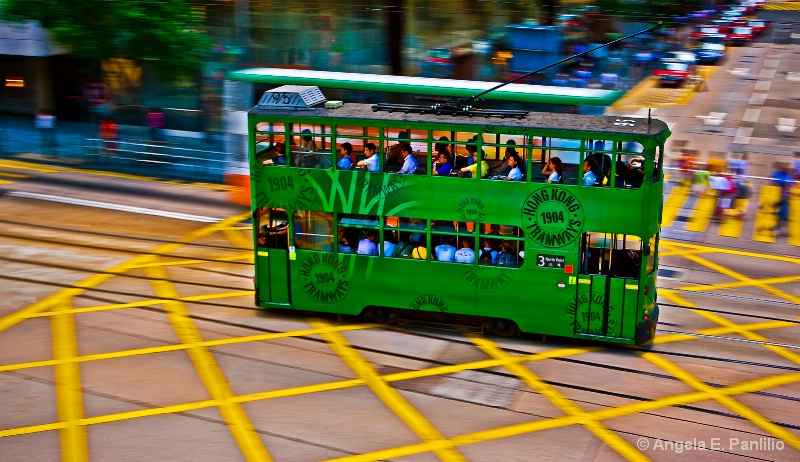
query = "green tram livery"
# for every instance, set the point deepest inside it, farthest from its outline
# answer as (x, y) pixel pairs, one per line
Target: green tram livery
(352, 231)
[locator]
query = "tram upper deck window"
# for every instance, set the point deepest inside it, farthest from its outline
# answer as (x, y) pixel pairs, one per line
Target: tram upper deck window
(268, 138)
(311, 145)
(313, 230)
(600, 152)
(501, 147)
(629, 166)
(272, 227)
(358, 137)
(569, 152)
(396, 139)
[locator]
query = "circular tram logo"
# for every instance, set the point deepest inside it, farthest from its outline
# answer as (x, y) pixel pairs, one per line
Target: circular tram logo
(552, 217)
(472, 209)
(430, 303)
(285, 188)
(585, 320)
(324, 278)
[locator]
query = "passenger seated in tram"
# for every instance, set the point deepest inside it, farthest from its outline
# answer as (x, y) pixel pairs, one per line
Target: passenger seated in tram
(621, 171)
(305, 153)
(371, 163)
(589, 179)
(394, 153)
(507, 255)
(635, 175)
(488, 253)
(409, 161)
(346, 160)
(388, 243)
(465, 254)
(280, 155)
(445, 251)
(344, 245)
(472, 166)
(442, 166)
(503, 169)
(602, 168)
(367, 246)
(514, 172)
(554, 169)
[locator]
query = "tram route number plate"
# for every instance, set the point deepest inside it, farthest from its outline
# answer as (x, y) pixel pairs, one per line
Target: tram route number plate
(549, 261)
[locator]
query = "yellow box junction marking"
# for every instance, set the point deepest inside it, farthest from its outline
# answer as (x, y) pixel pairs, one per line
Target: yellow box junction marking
(566, 405)
(391, 397)
(722, 398)
(69, 393)
(207, 368)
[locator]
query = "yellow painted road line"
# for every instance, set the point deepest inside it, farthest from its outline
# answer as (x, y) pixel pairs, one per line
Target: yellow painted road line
(95, 280)
(728, 272)
(703, 210)
(14, 175)
(239, 239)
(17, 165)
(391, 397)
(207, 368)
(674, 203)
(6, 182)
(149, 302)
(735, 406)
(69, 394)
(184, 346)
(778, 6)
(614, 441)
(766, 218)
(794, 217)
(733, 220)
(738, 284)
(599, 415)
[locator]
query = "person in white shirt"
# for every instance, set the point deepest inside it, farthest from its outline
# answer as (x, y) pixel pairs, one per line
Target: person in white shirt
(367, 246)
(514, 174)
(410, 163)
(588, 175)
(371, 163)
(465, 254)
(445, 252)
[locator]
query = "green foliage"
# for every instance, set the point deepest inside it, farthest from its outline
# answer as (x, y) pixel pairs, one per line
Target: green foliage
(162, 34)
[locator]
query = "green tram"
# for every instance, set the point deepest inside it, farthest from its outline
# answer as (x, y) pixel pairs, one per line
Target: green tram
(572, 258)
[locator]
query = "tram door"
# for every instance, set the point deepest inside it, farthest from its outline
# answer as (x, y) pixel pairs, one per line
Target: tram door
(273, 255)
(608, 285)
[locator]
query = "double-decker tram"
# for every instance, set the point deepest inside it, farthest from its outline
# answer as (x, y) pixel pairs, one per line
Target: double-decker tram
(395, 214)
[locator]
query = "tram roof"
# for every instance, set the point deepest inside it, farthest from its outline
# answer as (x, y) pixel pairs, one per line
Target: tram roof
(534, 120)
(429, 86)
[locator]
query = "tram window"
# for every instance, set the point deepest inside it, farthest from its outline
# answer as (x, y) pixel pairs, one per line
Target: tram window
(617, 255)
(463, 156)
(311, 146)
(354, 228)
(599, 151)
(501, 147)
(657, 165)
(568, 150)
(395, 139)
(273, 227)
(502, 231)
(313, 230)
(511, 254)
(266, 136)
(628, 171)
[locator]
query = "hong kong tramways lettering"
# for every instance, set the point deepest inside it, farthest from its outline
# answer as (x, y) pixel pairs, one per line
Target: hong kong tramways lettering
(552, 217)
(285, 188)
(579, 314)
(380, 186)
(430, 303)
(325, 278)
(472, 209)
(486, 279)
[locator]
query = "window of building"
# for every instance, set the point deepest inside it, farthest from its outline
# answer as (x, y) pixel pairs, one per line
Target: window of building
(313, 230)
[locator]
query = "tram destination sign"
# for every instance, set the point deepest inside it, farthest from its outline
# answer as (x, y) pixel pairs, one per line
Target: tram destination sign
(549, 261)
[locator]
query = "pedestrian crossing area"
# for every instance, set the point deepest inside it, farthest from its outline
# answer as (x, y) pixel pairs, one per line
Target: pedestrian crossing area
(755, 218)
(782, 6)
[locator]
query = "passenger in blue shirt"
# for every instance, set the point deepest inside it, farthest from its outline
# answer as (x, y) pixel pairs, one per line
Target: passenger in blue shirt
(409, 161)
(367, 246)
(442, 166)
(588, 176)
(371, 163)
(346, 161)
(446, 251)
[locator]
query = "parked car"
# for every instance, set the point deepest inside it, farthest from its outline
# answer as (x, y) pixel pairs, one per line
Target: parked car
(685, 56)
(710, 53)
(673, 73)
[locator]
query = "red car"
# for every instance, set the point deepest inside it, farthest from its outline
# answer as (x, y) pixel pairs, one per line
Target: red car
(704, 30)
(740, 35)
(759, 26)
(673, 73)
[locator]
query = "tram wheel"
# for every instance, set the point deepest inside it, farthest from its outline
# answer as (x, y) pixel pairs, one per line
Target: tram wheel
(385, 316)
(502, 327)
